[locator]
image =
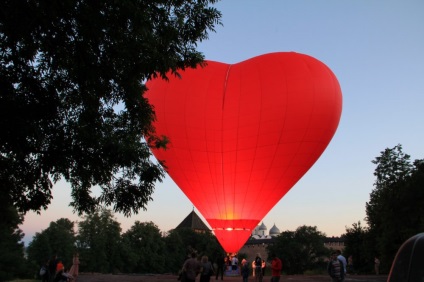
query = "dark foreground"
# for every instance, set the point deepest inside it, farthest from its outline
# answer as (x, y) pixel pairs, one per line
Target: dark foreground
(85, 277)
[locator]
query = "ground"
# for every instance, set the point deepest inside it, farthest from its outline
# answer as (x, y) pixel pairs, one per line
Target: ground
(85, 277)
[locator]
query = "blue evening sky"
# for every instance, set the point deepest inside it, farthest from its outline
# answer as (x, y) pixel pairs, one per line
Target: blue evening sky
(376, 50)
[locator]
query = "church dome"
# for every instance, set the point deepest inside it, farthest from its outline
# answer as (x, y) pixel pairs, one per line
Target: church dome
(262, 227)
(274, 230)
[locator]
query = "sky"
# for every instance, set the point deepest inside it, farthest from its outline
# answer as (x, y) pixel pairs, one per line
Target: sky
(376, 50)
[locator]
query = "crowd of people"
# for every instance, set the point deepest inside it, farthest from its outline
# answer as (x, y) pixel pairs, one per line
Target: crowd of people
(53, 270)
(192, 267)
(338, 267)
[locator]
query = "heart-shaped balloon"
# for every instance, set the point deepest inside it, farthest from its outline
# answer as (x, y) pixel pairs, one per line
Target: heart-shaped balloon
(241, 135)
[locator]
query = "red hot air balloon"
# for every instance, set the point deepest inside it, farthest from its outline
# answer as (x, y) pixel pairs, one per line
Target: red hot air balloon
(242, 135)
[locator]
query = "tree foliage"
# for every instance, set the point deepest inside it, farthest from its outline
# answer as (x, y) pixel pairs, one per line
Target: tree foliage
(56, 240)
(144, 249)
(396, 206)
(12, 249)
(71, 103)
(99, 242)
(393, 168)
(300, 250)
(360, 247)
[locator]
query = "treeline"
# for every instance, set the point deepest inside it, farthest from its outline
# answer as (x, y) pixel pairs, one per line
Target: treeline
(394, 213)
(104, 248)
(142, 249)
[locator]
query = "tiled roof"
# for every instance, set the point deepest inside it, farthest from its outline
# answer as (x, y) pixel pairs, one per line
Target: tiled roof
(193, 221)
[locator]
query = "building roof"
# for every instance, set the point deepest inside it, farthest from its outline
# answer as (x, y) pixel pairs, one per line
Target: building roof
(194, 222)
(263, 226)
(274, 230)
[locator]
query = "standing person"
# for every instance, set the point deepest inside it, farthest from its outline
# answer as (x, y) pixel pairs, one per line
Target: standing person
(335, 268)
(350, 269)
(234, 262)
(44, 272)
(244, 270)
(52, 268)
(377, 265)
(207, 269)
(276, 266)
(74, 270)
(227, 263)
(263, 266)
(258, 268)
(342, 259)
(191, 267)
(60, 270)
(253, 268)
(220, 264)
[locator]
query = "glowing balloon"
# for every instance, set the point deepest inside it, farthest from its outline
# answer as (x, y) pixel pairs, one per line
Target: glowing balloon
(242, 135)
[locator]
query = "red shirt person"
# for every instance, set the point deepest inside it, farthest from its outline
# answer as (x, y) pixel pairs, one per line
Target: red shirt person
(59, 266)
(276, 266)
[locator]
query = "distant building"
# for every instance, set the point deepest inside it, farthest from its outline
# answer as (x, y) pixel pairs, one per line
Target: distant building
(274, 231)
(194, 222)
(260, 232)
(259, 240)
(335, 243)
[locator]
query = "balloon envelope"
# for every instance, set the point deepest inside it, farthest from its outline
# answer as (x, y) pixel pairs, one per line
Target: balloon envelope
(242, 135)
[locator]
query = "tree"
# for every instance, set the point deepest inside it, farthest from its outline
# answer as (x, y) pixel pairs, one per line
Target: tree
(56, 240)
(146, 249)
(176, 250)
(300, 250)
(71, 95)
(392, 168)
(99, 242)
(39, 250)
(357, 245)
(394, 211)
(12, 262)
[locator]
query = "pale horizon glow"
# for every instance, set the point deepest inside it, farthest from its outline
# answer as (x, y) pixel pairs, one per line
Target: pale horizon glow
(375, 49)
